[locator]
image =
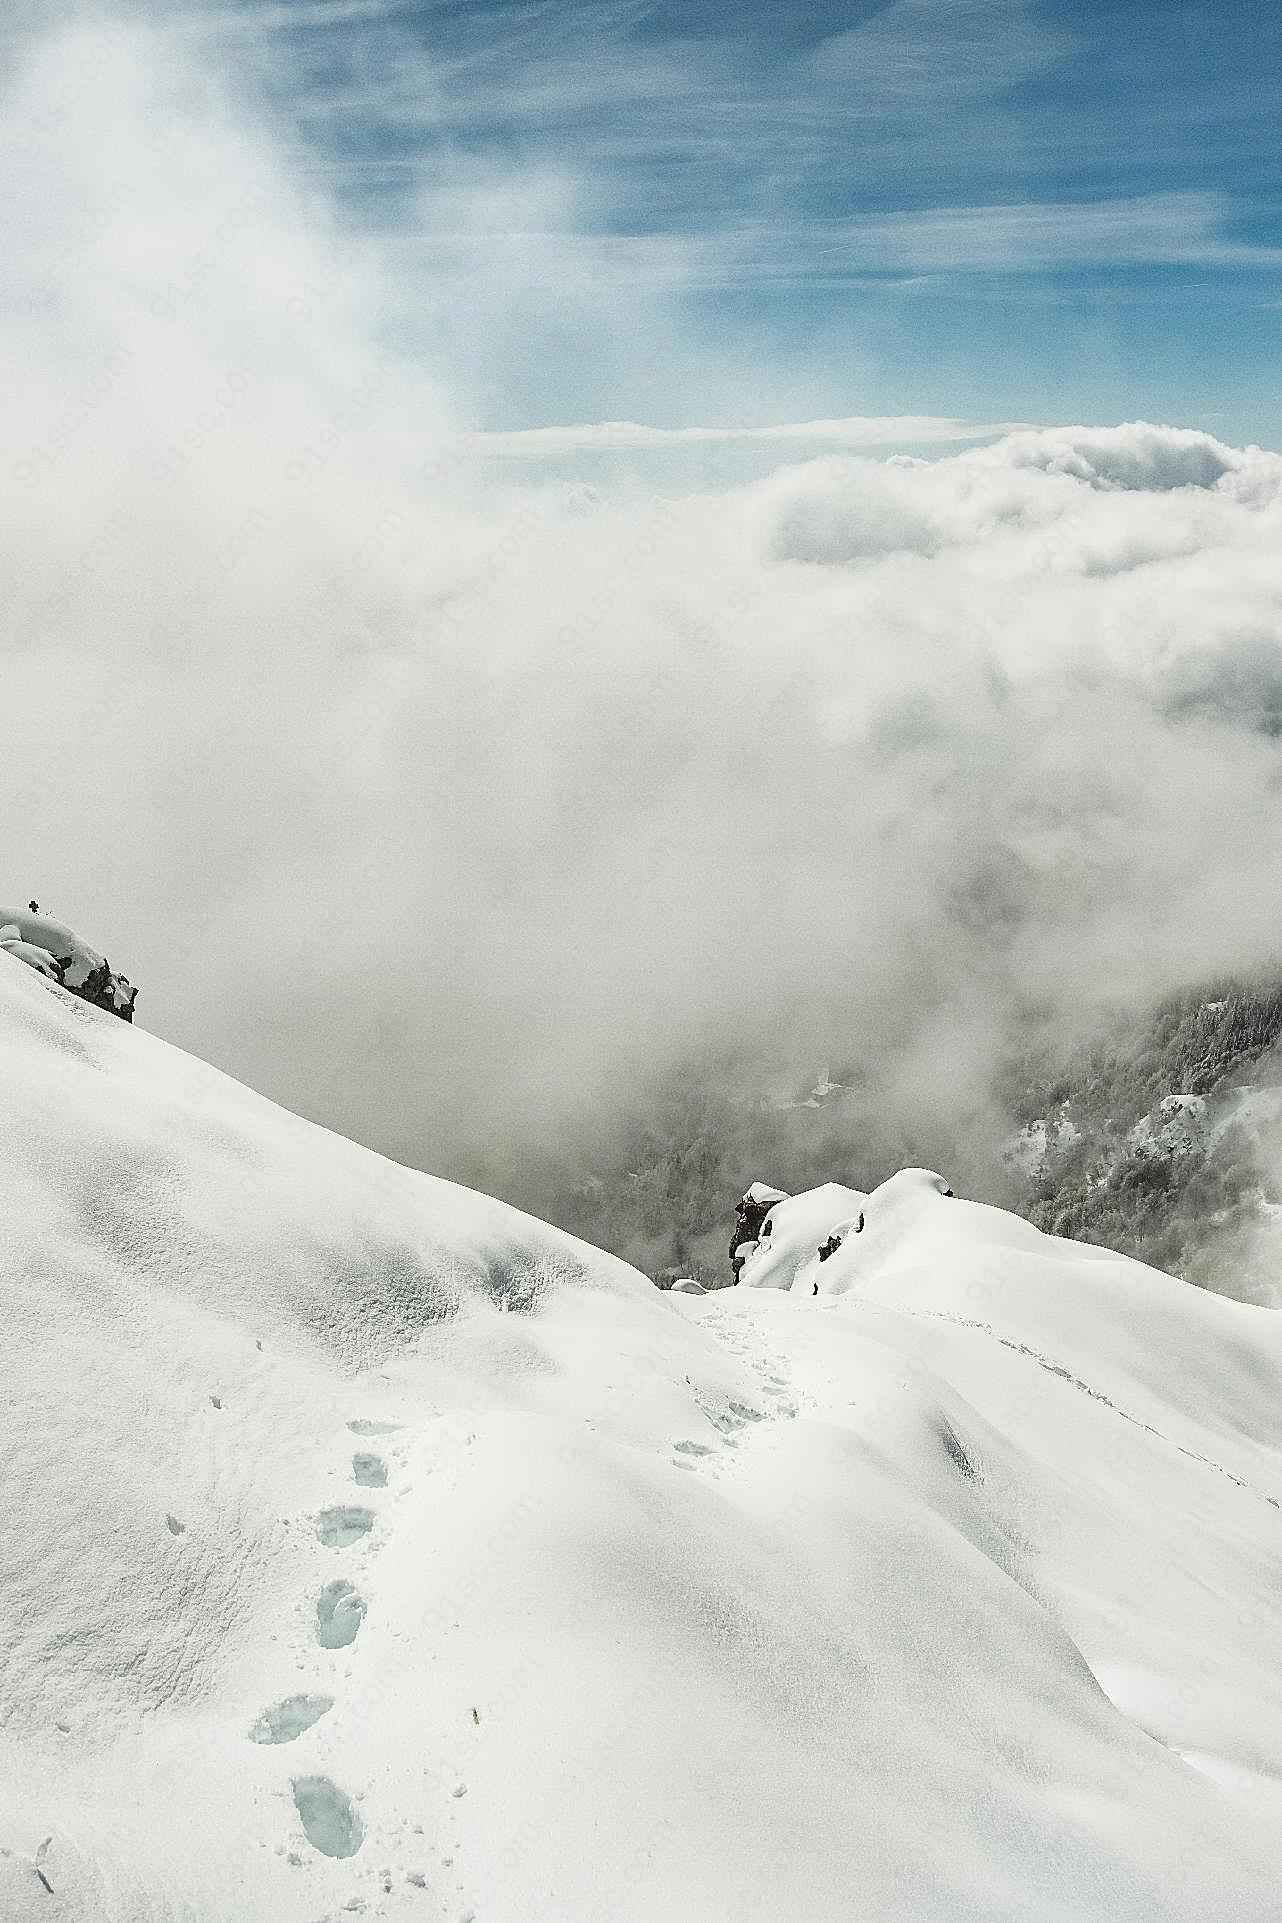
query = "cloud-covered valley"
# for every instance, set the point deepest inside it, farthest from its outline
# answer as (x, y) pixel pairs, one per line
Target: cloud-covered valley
(323, 722)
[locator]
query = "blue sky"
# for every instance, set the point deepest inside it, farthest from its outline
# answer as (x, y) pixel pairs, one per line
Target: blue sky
(1004, 209)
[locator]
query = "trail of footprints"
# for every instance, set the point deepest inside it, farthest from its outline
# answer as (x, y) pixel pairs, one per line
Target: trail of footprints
(733, 1416)
(330, 1821)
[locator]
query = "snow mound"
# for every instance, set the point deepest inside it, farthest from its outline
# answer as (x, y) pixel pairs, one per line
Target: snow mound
(761, 1192)
(53, 950)
(791, 1234)
(375, 1549)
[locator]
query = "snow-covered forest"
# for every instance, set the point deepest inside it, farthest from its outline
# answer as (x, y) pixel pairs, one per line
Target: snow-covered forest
(1160, 1136)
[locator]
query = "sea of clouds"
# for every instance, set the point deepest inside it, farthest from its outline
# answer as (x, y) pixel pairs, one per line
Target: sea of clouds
(440, 793)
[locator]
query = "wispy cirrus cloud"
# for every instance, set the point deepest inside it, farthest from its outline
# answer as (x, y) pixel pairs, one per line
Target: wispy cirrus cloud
(915, 53)
(1191, 229)
(291, 16)
(773, 194)
(1176, 229)
(512, 228)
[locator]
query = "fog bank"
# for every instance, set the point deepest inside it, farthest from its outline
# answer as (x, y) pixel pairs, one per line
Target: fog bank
(444, 803)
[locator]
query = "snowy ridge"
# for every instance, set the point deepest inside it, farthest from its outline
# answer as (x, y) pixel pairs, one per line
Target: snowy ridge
(382, 1551)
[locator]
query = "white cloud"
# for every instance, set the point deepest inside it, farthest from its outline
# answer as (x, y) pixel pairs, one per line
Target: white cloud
(1145, 230)
(858, 430)
(1136, 456)
(934, 244)
(296, 15)
(506, 790)
(919, 55)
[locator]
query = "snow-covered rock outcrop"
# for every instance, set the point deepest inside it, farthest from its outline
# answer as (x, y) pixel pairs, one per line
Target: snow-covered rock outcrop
(751, 1210)
(51, 948)
(375, 1549)
(1178, 1126)
(1027, 1150)
(791, 1233)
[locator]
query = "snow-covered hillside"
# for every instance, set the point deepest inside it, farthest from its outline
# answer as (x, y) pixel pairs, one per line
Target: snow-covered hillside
(373, 1549)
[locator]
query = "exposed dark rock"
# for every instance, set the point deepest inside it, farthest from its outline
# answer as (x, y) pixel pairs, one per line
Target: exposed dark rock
(753, 1207)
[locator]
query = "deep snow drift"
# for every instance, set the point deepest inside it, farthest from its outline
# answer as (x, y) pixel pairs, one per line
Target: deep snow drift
(374, 1549)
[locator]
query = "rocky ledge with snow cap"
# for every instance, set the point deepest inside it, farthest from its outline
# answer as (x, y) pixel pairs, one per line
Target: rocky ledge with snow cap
(751, 1211)
(800, 1234)
(56, 952)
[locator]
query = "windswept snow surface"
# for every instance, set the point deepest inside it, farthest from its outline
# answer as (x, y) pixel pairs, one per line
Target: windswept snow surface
(946, 1595)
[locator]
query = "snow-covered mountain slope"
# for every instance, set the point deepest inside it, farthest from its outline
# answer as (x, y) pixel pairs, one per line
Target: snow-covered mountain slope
(373, 1549)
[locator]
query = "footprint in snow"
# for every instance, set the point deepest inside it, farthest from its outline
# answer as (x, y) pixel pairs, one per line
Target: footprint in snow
(692, 1448)
(339, 1528)
(285, 1722)
(340, 1611)
(373, 1428)
(329, 1821)
(734, 1417)
(370, 1471)
(176, 1528)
